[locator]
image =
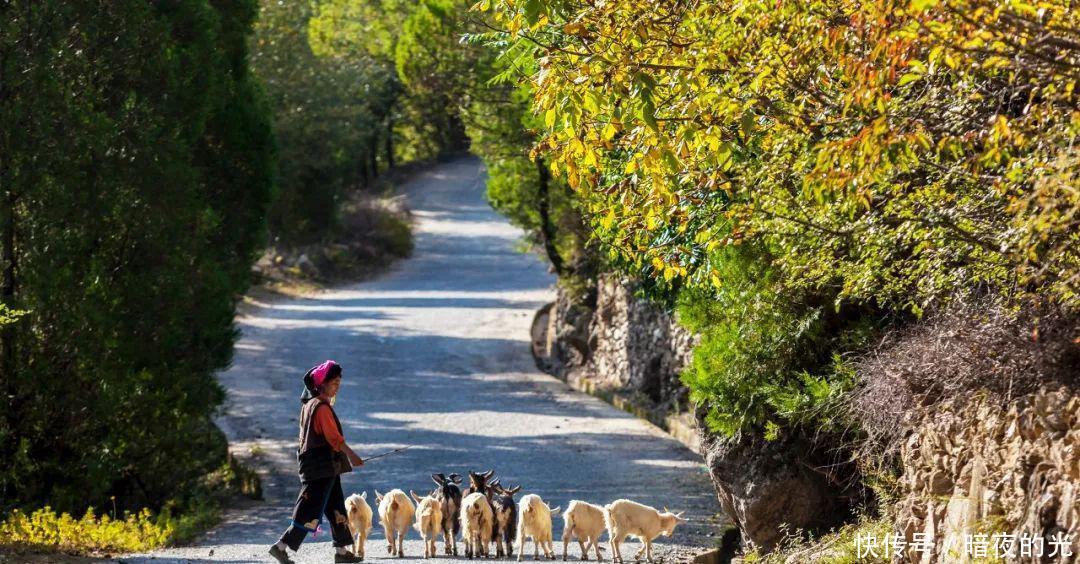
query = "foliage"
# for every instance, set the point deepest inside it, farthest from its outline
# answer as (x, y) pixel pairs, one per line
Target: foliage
(435, 70)
(419, 40)
(893, 151)
(333, 119)
(45, 528)
(179, 520)
(135, 170)
(768, 361)
(802, 174)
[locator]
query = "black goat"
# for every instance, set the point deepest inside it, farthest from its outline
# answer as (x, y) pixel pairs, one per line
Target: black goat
(506, 517)
(449, 495)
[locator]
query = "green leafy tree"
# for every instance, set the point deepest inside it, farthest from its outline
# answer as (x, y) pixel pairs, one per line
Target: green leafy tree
(333, 120)
(885, 155)
(420, 41)
(135, 166)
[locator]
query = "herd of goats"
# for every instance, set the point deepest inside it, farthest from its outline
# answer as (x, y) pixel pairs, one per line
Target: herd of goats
(486, 513)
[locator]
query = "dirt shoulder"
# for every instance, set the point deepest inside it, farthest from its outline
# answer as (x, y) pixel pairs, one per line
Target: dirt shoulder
(375, 231)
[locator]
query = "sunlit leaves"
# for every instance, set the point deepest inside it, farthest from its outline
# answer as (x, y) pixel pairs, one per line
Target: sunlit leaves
(898, 151)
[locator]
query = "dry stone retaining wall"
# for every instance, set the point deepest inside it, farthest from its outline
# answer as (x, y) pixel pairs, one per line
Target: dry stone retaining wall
(972, 468)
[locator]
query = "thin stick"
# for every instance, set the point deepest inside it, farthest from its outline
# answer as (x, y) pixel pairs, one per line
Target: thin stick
(386, 453)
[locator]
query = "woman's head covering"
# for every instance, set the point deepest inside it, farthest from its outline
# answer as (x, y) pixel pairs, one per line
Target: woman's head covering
(317, 376)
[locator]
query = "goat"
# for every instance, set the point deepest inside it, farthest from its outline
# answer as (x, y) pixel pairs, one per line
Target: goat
(481, 483)
(625, 518)
(586, 522)
(506, 518)
(535, 522)
(476, 520)
(449, 495)
(428, 521)
(356, 506)
(395, 513)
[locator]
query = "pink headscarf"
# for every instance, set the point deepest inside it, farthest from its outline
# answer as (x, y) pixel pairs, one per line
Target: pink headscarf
(318, 374)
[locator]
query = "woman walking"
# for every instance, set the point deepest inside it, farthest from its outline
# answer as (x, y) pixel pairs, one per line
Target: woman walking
(323, 457)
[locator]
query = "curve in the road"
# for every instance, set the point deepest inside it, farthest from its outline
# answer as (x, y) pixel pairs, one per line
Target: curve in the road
(436, 357)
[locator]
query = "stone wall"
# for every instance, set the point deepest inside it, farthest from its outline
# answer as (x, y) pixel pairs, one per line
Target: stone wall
(615, 342)
(972, 468)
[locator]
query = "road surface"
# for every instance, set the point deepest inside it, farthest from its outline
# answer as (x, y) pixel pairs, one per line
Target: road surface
(436, 356)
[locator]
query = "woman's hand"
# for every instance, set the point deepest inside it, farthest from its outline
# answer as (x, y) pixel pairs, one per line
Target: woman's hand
(354, 459)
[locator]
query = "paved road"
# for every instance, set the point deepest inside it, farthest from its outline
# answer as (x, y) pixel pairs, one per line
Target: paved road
(436, 356)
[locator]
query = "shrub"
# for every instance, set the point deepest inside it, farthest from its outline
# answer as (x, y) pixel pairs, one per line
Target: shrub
(45, 528)
(768, 359)
(179, 520)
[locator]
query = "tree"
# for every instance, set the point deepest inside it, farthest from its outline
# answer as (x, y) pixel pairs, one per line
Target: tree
(897, 152)
(333, 119)
(136, 169)
(420, 41)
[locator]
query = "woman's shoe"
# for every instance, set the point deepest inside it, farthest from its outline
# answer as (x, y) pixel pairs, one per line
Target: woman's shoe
(280, 555)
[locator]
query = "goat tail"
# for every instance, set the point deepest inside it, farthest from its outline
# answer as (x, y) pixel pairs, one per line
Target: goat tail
(608, 521)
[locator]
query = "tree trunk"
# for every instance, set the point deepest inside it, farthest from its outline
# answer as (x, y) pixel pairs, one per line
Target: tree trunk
(7, 254)
(373, 157)
(389, 142)
(547, 229)
(365, 180)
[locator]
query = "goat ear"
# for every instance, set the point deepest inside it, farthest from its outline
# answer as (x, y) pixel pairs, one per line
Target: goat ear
(488, 474)
(515, 490)
(439, 479)
(363, 495)
(455, 477)
(414, 496)
(666, 509)
(679, 516)
(556, 510)
(378, 496)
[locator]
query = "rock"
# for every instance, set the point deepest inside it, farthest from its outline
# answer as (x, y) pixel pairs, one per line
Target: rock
(763, 487)
(306, 266)
(1018, 468)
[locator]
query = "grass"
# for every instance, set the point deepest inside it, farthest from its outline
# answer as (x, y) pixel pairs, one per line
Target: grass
(837, 547)
(96, 533)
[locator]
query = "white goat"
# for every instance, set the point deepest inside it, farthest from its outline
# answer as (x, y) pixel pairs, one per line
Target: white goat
(534, 520)
(477, 521)
(359, 520)
(428, 521)
(625, 518)
(586, 522)
(395, 514)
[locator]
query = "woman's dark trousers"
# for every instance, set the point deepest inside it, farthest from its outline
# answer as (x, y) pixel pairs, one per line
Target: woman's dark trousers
(318, 498)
